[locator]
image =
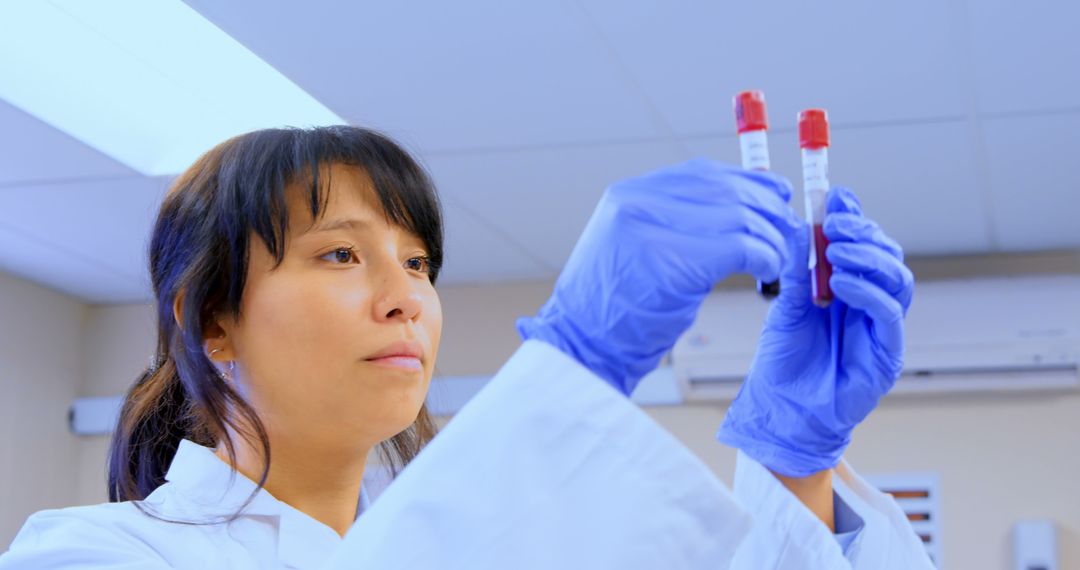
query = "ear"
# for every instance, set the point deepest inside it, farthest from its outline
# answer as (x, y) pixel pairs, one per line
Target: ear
(216, 337)
(178, 303)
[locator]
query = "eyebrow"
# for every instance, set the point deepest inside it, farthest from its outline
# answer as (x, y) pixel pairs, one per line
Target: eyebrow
(345, 224)
(340, 224)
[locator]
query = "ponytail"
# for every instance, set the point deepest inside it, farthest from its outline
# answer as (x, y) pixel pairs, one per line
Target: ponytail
(152, 422)
(161, 409)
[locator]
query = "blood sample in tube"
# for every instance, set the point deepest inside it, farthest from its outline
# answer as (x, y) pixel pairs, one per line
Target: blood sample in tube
(752, 124)
(814, 142)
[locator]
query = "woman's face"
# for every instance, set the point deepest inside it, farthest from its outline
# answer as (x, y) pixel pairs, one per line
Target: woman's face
(335, 347)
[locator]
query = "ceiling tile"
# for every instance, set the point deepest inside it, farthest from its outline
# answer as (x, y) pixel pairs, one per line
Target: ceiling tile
(1035, 183)
(448, 75)
(865, 62)
(918, 181)
(543, 198)
(33, 151)
(477, 252)
(105, 224)
(52, 265)
(1026, 54)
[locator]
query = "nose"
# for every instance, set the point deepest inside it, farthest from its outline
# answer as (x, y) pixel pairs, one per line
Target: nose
(397, 297)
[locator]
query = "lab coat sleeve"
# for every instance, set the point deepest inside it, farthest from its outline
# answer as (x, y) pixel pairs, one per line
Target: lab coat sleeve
(85, 545)
(549, 467)
(788, 536)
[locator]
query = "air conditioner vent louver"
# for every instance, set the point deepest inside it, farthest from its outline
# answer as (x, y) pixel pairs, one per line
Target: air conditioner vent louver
(919, 496)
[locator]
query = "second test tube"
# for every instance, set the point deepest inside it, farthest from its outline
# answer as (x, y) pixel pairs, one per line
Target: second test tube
(814, 141)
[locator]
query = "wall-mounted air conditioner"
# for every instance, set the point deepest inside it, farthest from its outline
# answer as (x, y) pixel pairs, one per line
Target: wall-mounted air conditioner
(996, 334)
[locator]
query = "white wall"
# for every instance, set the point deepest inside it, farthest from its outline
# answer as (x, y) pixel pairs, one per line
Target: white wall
(118, 343)
(40, 354)
(1000, 458)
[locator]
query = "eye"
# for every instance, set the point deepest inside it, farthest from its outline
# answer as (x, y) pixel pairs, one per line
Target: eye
(340, 255)
(421, 264)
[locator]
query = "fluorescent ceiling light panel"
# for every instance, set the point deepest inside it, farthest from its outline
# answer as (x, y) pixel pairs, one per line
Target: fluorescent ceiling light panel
(150, 83)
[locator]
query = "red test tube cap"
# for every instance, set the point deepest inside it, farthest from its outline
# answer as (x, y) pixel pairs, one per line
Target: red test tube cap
(750, 112)
(813, 128)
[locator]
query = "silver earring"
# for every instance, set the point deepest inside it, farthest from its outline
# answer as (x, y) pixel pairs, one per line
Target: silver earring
(227, 376)
(232, 367)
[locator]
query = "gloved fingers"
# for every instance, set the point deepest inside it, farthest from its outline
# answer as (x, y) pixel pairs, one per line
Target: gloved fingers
(694, 219)
(741, 241)
(843, 200)
(705, 180)
(731, 240)
(741, 191)
(886, 312)
(757, 225)
(765, 201)
(877, 265)
(722, 173)
(700, 187)
(795, 301)
(759, 257)
(848, 227)
(777, 183)
(795, 279)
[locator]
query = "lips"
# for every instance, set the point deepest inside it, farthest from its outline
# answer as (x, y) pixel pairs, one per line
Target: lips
(402, 354)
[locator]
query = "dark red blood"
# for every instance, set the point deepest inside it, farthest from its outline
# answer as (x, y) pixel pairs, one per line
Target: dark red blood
(819, 282)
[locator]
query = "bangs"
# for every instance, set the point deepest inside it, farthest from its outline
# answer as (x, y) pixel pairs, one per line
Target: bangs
(404, 190)
(255, 170)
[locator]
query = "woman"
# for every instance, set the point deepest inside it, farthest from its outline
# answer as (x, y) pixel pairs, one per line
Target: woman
(294, 276)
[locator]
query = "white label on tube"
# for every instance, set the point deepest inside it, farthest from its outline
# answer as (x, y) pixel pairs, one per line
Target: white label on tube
(815, 169)
(815, 205)
(755, 150)
(815, 164)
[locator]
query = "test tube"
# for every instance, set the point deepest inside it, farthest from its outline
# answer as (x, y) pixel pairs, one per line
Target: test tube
(814, 142)
(752, 124)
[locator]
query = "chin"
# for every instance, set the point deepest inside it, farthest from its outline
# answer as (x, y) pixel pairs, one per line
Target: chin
(387, 426)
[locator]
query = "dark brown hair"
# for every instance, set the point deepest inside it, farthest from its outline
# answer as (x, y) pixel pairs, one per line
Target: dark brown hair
(199, 253)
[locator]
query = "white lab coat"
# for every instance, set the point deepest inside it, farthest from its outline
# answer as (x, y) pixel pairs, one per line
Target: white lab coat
(547, 467)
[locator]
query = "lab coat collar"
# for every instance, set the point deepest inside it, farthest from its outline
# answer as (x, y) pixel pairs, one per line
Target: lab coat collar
(213, 491)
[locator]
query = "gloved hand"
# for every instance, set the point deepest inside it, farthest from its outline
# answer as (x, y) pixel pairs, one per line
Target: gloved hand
(651, 252)
(819, 372)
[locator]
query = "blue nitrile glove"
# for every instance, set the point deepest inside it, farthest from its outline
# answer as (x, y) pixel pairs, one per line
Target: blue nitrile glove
(819, 372)
(653, 249)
